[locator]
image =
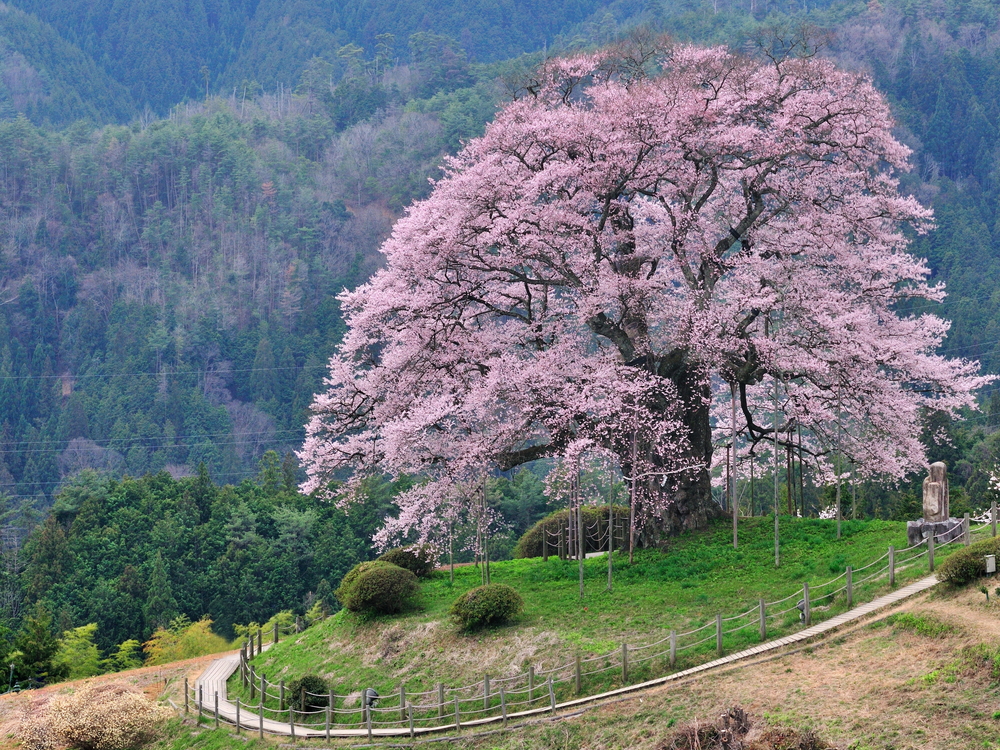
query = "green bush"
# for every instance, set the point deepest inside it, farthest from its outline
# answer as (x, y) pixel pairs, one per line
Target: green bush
(311, 683)
(594, 518)
(487, 605)
(966, 564)
(377, 587)
(416, 559)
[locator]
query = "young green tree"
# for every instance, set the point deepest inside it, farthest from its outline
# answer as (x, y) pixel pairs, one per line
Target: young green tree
(78, 655)
(128, 655)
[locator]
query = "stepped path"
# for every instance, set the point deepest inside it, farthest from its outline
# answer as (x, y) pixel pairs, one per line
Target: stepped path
(211, 685)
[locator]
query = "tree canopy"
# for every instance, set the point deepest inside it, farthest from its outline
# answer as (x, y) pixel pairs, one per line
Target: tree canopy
(638, 229)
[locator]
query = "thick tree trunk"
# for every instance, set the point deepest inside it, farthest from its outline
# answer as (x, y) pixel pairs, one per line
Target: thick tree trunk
(690, 503)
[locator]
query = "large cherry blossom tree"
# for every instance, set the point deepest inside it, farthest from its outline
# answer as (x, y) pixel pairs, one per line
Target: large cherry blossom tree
(633, 235)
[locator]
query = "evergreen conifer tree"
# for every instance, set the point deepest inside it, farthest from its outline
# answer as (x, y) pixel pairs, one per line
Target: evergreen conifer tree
(161, 607)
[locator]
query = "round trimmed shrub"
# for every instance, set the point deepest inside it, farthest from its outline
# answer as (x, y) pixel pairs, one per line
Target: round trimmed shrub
(312, 683)
(377, 587)
(966, 564)
(416, 559)
(492, 604)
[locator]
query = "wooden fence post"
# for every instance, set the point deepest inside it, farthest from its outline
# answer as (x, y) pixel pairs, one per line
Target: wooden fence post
(850, 587)
(486, 691)
(185, 695)
(275, 640)
(578, 676)
(624, 663)
(253, 688)
(260, 717)
(552, 695)
(762, 616)
(302, 698)
(368, 717)
(402, 703)
(458, 715)
(440, 700)
(260, 641)
(329, 710)
(216, 709)
(291, 723)
(237, 716)
(967, 530)
(545, 544)
(930, 551)
(281, 695)
(531, 683)
(409, 714)
(503, 705)
(718, 635)
(329, 703)
(807, 609)
(892, 565)
(673, 648)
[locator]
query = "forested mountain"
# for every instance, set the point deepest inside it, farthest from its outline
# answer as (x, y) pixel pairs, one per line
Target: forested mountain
(169, 290)
(164, 51)
(168, 285)
(51, 81)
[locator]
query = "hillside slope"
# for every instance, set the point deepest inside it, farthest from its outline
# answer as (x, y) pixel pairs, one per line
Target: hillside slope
(50, 80)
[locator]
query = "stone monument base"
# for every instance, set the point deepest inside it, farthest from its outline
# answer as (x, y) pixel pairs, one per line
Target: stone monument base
(944, 531)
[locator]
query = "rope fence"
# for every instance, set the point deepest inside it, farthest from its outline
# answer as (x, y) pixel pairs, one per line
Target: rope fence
(265, 704)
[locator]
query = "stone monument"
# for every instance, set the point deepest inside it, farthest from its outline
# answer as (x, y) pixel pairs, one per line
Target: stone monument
(937, 518)
(937, 504)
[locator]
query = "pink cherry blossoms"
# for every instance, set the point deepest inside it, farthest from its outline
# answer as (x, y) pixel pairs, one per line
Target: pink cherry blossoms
(620, 244)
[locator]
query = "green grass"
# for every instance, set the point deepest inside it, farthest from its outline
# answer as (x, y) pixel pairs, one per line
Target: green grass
(699, 575)
(921, 624)
(176, 735)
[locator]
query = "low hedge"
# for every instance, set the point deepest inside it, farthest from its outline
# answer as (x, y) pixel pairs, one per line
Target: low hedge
(377, 587)
(311, 683)
(594, 518)
(966, 564)
(492, 604)
(416, 559)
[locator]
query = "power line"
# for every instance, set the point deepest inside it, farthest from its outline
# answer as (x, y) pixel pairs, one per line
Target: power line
(160, 373)
(175, 437)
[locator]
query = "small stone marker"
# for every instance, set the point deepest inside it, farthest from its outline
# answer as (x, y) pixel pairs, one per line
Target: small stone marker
(937, 506)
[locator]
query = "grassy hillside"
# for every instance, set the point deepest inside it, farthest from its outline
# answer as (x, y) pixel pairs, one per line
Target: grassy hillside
(699, 576)
(923, 676)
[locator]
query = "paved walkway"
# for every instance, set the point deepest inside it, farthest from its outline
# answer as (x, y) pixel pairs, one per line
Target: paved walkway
(213, 680)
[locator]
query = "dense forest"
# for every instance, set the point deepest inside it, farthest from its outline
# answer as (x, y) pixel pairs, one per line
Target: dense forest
(185, 187)
(132, 555)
